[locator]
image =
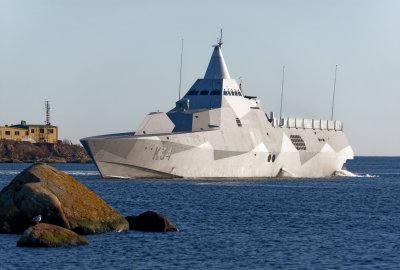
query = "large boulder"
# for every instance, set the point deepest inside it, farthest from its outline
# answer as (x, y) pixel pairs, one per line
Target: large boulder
(47, 235)
(150, 222)
(59, 199)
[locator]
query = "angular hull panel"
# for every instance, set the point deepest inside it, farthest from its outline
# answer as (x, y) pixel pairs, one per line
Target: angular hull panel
(203, 155)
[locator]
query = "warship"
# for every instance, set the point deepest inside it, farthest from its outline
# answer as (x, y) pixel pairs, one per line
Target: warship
(215, 131)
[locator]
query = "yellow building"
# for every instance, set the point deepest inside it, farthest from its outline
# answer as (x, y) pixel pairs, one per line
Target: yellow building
(32, 133)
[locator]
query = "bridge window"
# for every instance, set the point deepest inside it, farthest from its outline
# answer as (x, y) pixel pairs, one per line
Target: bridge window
(215, 93)
(192, 93)
(204, 93)
(225, 93)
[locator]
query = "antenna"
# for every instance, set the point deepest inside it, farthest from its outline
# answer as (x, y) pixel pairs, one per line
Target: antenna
(47, 106)
(180, 72)
(334, 90)
(240, 84)
(280, 110)
(220, 40)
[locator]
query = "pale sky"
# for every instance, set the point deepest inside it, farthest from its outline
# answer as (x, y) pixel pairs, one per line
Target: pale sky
(105, 64)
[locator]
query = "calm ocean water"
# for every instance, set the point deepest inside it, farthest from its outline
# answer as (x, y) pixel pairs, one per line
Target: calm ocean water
(334, 223)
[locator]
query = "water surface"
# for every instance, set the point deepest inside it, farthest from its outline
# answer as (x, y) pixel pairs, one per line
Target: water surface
(330, 223)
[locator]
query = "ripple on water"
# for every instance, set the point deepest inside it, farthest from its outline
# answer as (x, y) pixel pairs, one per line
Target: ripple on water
(334, 223)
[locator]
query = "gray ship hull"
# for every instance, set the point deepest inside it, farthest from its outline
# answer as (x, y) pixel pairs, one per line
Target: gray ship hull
(260, 150)
(215, 131)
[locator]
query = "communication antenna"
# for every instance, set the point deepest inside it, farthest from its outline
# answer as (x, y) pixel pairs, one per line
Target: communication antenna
(334, 90)
(47, 106)
(280, 110)
(180, 72)
(220, 40)
(240, 83)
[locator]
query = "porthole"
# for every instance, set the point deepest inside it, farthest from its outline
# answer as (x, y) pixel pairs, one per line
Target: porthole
(269, 158)
(273, 158)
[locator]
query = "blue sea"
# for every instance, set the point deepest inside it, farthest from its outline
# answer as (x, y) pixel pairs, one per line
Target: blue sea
(329, 223)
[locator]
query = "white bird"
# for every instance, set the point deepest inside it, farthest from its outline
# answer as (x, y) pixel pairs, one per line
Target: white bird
(37, 219)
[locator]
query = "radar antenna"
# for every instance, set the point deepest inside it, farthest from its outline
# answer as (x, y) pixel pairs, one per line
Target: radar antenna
(220, 40)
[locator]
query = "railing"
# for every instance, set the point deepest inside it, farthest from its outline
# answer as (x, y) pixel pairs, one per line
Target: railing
(308, 123)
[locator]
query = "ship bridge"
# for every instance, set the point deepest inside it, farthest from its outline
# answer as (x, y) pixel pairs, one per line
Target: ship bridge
(207, 93)
(200, 108)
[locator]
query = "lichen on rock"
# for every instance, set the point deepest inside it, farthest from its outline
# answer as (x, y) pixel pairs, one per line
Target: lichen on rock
(59, 199)
(48, 235)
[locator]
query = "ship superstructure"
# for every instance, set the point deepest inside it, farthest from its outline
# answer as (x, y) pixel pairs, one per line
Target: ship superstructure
(214, 131)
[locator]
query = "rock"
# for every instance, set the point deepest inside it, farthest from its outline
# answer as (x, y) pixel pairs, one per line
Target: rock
(23, 151)
(150, 222)
(48, 235)
(59, 199)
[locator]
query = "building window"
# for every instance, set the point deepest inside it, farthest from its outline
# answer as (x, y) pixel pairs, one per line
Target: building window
(8, 132)
(32, 130)
(16, 133)
(51, 131)
(26, 133)
(41, 130)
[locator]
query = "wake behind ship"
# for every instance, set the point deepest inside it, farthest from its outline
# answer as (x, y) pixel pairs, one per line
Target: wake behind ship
(215, 131)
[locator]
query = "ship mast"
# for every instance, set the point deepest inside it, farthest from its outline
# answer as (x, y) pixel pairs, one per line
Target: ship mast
(180, 73)
(280, 110)
(334, 90)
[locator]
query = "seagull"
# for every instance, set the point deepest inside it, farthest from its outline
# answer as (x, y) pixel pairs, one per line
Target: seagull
(37, 219)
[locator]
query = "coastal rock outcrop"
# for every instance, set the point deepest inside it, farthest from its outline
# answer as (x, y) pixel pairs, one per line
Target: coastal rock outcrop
(22, 151)
(150, 221)
(48, 235)
(59, 199)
